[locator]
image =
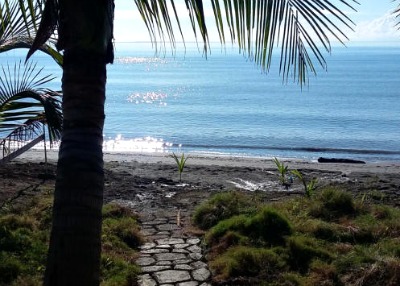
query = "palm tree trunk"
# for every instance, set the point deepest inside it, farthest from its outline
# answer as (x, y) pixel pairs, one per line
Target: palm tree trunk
(85, 35)
(74, 254)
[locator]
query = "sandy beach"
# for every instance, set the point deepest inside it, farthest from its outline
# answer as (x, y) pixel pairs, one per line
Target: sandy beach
(152, 180)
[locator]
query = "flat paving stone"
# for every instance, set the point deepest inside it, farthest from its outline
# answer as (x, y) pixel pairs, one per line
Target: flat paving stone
(149, 269)
(163, 246)
(148, 245)
(146, 280)
(169, 256)
(145, 261)
(156, 236)
(170, 241)
(198, 264)
(201, 274)
(172, 276)
(193, 241)
(189, 283)
(181, 245)
(195, 256)
(154, 251)
(154, 222)
(169, 226)
(164, 262)
(163, 233)
(183, 267)
(180, 251)
(182, 261)
(194, 249)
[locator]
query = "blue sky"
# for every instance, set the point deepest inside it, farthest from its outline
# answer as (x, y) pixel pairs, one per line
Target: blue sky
(374, 22)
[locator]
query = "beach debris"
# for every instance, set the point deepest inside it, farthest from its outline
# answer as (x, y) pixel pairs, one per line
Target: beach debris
(339, 160)
(170, 194)
(249, 186)
(178, 218)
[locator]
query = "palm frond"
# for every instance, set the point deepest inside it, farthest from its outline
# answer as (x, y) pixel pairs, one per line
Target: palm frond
(19, 25)
(396, 13)
(156, 16)
(24, 104)
(302, 28)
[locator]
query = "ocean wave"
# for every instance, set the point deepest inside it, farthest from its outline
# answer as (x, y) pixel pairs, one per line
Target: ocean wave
(298, 149)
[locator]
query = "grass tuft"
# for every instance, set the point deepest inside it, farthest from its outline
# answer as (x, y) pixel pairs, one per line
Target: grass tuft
(222, 206)
(332, 204)
(260, 262)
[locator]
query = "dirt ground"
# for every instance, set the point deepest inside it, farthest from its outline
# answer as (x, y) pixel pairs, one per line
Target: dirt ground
(156, 184)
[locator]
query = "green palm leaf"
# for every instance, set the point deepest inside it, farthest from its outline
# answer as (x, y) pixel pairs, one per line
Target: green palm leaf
(302, 28)
(18, 25)
(396, 13)
(25, 106)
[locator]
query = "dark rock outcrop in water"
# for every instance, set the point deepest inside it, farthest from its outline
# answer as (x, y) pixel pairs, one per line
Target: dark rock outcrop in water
(339, 160)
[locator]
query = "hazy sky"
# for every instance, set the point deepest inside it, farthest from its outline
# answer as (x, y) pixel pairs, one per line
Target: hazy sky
(374, 22)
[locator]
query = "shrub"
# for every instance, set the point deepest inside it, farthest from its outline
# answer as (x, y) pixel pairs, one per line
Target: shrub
(303, 250)
(247, 261)
(222, 206)
(125, 228)
(234, 224)
(117, 272)
(113, 210)
(332, 204)
(269, 226)
(265, 227)
(10, 268)
(385, 272)
(322, 273)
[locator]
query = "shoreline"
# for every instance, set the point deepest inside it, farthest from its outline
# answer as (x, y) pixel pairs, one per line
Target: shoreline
(35, 155)
(146, 180)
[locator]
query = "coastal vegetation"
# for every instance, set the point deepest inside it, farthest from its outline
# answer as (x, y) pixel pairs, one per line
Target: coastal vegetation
(25, 232)
(26, 106)
(180, 163)
(286, 180)
(328, 238)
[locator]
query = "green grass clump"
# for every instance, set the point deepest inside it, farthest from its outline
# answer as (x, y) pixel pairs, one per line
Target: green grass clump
(117, 271)
(303, 250)
(264, 227)
(222, 206)
(260, 262)
(326, 239)
(332, 204)
(120, 227)
(24, 238)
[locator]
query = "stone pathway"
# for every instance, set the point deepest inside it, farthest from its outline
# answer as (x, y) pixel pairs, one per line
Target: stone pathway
(170, 256)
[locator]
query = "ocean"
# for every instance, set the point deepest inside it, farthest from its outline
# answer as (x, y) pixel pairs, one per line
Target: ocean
(224, 104)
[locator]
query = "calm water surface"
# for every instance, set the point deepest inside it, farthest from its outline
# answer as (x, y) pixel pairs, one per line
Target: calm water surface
(225, 105)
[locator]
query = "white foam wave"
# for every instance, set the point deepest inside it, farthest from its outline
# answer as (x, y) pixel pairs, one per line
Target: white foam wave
(146, 144)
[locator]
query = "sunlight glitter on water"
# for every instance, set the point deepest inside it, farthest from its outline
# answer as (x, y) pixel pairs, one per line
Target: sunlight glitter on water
(140, 60)
(146, 144)
(148, 97)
